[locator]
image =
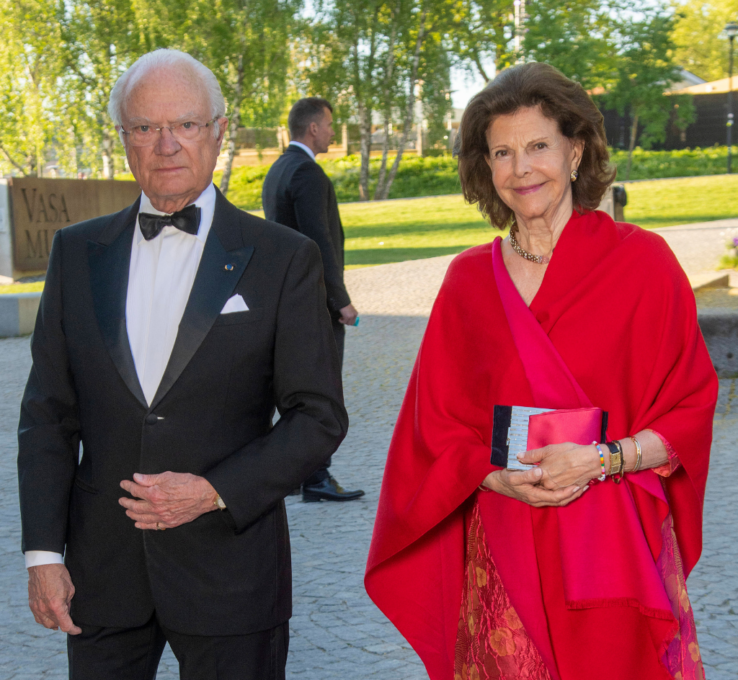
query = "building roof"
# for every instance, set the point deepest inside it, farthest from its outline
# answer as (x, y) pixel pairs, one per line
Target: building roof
(713, 87)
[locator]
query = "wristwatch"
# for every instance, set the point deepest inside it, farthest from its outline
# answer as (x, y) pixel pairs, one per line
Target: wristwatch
(617, 461)
(218, 503)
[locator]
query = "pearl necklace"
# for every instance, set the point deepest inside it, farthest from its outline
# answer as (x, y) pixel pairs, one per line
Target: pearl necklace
(538, 259)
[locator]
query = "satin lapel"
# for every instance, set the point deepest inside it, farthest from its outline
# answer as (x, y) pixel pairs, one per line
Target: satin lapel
(223, 262)
(109, 260)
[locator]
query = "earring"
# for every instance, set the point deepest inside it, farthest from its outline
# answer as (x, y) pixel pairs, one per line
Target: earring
(574, 175)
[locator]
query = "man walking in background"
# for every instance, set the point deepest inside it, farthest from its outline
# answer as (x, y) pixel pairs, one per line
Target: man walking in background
(298, 194)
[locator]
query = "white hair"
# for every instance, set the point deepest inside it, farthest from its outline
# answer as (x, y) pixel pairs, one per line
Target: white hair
(166, 58)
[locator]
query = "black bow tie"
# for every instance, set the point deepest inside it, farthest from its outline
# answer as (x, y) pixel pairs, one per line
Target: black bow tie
(187, 220)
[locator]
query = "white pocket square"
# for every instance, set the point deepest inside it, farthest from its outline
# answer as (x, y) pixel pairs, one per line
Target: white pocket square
(235, 304)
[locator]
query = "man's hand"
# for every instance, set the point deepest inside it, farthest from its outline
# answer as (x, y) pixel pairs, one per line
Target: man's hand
(524, 486)
(50, 590)
(348, 315)
(167, 500)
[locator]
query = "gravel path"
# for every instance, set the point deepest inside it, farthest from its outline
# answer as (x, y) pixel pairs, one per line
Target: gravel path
(700, 246)
(336, 631)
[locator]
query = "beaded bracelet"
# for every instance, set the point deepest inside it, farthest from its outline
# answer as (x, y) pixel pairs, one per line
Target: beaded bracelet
(602, 461)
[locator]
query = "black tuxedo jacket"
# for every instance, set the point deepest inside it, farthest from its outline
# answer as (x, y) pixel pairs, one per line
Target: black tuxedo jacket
(226, 572)
(298, 194)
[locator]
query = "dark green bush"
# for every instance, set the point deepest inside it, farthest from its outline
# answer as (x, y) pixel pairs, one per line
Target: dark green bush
(437, 175)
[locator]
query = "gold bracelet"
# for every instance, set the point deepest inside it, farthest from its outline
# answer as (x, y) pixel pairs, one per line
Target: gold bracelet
(639, 455)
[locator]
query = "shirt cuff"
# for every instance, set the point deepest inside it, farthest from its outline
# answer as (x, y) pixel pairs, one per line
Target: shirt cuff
(37, 558)
(667, 469)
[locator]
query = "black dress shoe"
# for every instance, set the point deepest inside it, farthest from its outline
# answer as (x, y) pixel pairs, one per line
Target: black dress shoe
(328, 490)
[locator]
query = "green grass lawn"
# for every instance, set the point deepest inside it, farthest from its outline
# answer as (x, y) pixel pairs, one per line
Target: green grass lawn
(411, 229)
(35, 287)
(393, 231)
(668, 202)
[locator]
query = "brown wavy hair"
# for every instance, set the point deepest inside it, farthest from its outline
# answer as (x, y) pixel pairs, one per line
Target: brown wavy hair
(560, 99)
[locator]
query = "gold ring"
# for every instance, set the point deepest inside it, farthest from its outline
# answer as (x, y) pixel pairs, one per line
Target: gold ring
(160, 527)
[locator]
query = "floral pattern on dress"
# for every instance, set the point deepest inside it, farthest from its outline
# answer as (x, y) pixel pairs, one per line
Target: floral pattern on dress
(491, 642)
(682, 657)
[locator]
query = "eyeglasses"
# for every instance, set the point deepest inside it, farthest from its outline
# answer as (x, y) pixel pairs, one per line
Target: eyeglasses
(148, 135)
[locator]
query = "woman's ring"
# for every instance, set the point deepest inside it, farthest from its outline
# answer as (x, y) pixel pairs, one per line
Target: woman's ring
(160, 527)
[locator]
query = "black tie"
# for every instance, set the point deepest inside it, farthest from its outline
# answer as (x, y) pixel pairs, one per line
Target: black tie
(187, 220)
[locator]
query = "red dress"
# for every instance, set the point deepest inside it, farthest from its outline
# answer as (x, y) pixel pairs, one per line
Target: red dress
(492, 642)
(620, 312)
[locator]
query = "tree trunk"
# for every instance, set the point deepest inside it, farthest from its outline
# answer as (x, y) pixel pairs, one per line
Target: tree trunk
(389, 72)
(480, 68)
(17, 166)
(107, 156)
(633, 137)
(364, 92)
(235, 119)
(344, 139)
(409, 111)
(378, 192)
(365, 121)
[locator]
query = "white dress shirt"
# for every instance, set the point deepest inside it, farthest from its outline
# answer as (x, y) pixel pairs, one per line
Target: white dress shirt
(306, 149)
(160, 280)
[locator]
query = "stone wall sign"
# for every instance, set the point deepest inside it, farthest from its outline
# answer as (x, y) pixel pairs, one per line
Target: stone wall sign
(40, 207)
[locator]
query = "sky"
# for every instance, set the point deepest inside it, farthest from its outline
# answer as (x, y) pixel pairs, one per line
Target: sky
(464, 86)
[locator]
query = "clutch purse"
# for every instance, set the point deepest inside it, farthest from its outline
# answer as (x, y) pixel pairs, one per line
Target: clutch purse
(516, 429)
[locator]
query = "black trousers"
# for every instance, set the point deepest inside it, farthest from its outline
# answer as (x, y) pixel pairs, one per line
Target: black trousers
(134, 654)
(339, 333)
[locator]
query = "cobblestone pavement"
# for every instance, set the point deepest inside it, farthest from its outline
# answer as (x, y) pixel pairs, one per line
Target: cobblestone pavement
(336, 631)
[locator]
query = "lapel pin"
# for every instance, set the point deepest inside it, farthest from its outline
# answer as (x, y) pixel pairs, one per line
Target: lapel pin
(229, 267)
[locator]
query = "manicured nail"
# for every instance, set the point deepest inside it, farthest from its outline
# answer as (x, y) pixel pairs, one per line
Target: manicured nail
(575, 489)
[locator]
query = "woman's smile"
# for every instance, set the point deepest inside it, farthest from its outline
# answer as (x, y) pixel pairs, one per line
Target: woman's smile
(531, 188)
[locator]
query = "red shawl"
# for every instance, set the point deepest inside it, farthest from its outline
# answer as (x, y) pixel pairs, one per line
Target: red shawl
(620, 312)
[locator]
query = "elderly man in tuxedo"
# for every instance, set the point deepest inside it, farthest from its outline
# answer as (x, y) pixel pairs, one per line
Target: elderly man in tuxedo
(168, 333)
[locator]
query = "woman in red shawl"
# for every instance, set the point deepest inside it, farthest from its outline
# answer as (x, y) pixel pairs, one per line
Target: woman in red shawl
(575, 567)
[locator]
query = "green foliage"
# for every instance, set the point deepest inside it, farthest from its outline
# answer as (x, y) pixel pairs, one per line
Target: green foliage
(644, 69)
(31, 70)
(437, 175)
(372, 58)
(424, 176)
(245, 185)
(59, 60)
(678, 163)
(575, 37)
(481, 31)
(730, 259)
(699, 47)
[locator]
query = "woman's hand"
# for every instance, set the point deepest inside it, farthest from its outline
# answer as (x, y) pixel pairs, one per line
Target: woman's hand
(525, 486)
(564, 465)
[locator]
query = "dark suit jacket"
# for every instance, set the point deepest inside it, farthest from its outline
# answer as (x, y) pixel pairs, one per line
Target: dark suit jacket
(298, 194)
(226, 572)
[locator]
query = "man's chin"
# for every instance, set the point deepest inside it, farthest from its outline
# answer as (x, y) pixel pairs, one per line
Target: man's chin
(169, 188)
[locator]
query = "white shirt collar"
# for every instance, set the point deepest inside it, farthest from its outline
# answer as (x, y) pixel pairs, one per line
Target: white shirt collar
(205, 201)
(306, 149)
